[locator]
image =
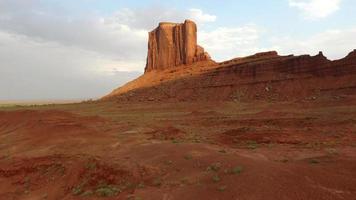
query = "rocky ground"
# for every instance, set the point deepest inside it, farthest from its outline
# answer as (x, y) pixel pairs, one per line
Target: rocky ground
(203, 150)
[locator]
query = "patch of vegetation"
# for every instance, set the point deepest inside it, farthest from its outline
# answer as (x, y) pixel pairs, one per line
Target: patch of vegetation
(188, 157)
(216, 178)
(252, 144)
(237, 170)
(27, 183)
(132, 197)
(238, 95)
(222, 188)
(157, 182)
(214, 167)
(196, 140)
(284, 160)
(332, 151)
(90, 165)
(175, 141)
(141, 185)
(107, 191)
(314, 161)
(314, 145)
(61, 170)
(198, 182)
(87, 193)
(334, 143)
(184, 180)
(77, 190)
(7, 156)
(168, 162)
(128, 185)
(222, 151)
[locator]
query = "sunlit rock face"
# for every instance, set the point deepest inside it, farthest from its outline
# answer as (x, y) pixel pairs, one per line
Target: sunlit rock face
(179, 70)
(171, 45)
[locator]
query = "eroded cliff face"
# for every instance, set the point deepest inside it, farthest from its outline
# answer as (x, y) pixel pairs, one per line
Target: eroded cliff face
(263, 76)
(171, 45)
(180, 70)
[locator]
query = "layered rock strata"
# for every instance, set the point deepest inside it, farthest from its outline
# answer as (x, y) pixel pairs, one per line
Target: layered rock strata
(193, 76)
(265, 76)
(171, 45)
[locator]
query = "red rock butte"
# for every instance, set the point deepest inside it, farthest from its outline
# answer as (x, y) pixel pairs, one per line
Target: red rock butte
(172, 44)
(178, 69)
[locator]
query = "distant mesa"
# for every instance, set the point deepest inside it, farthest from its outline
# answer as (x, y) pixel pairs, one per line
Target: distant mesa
(178, 69)
(172, 44)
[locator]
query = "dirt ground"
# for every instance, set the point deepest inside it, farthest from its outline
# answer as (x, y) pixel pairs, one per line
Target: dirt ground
(172, 151)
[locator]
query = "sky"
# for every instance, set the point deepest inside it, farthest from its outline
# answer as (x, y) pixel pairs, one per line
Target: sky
(82, 49)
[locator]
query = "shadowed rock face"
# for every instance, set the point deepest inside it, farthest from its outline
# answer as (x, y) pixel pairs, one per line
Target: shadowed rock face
(171, 45)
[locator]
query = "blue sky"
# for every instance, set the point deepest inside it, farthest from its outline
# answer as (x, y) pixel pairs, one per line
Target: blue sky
(65, 49)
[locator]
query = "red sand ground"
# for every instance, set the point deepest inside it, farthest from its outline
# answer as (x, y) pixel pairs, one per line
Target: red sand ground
(202, 150)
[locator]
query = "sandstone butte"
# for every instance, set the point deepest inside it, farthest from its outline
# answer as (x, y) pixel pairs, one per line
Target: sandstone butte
(178, 69)
(171, 45)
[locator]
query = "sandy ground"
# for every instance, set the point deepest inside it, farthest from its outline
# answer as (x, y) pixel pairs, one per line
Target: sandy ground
(173, 151)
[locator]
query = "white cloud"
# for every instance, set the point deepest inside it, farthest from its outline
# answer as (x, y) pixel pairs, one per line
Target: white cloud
(226, 43)
(200, 17)
(149, 17)
(49, 52)
(316, 9)
(335, 43)
(121, 36)
(47, 70)
(93, 33)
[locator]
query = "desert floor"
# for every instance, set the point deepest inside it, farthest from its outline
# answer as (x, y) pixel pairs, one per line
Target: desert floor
(173, 151)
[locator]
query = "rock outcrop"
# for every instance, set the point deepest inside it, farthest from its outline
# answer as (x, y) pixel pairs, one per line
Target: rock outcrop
(171, 45)
(263, 76)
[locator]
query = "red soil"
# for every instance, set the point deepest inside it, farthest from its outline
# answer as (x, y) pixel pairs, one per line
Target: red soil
(205, 150)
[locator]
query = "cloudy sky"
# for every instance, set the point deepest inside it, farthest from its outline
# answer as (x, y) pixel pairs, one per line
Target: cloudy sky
(66, 49)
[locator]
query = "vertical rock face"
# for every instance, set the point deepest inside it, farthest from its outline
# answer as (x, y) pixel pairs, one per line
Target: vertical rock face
(172, 44)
